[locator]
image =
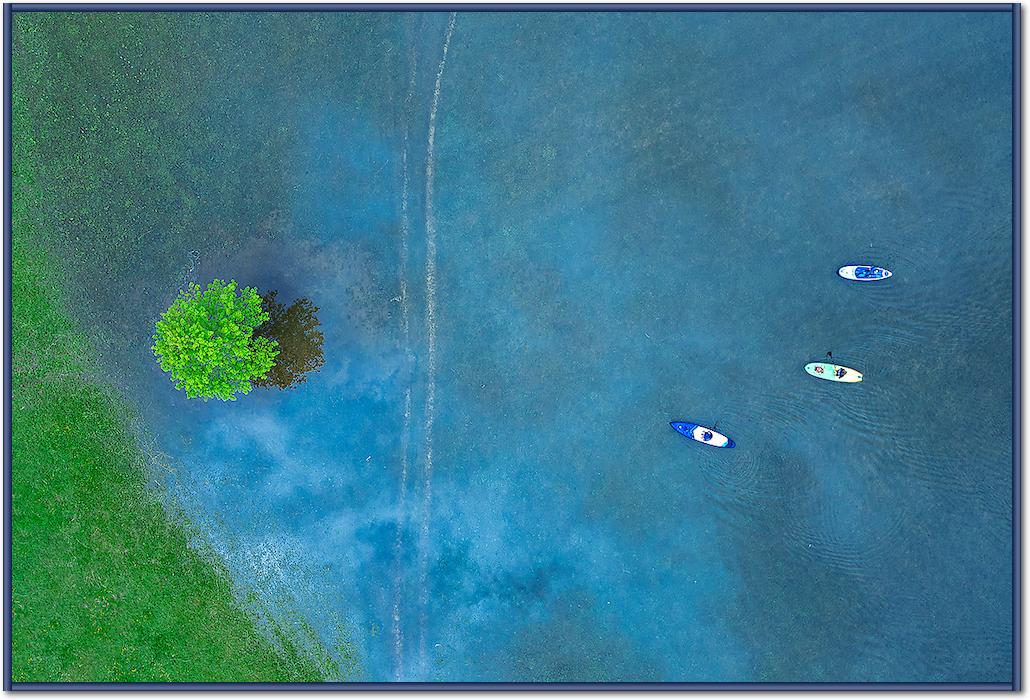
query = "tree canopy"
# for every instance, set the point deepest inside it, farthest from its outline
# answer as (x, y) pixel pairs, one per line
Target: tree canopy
(206, 341)
(294, 330)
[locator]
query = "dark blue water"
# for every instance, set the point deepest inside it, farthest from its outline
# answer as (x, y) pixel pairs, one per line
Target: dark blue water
(530, 255)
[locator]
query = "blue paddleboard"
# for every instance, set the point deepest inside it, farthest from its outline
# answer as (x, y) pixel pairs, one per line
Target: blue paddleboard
(864, 273)
(701, 433)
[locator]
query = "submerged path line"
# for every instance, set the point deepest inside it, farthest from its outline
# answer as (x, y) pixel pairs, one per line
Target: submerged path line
(430, 408)
(398, 584)
(402, 508)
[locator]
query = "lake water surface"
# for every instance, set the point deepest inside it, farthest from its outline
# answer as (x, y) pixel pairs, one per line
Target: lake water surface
(537, 238)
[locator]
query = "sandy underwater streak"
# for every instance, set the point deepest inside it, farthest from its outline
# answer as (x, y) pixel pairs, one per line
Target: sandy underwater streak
(430, 403)
(402, 510)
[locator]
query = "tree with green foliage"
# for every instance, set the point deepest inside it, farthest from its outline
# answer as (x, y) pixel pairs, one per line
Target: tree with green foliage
(206, 341)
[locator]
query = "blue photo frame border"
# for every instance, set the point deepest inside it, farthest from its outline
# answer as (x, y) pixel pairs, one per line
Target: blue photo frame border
(1014, 9)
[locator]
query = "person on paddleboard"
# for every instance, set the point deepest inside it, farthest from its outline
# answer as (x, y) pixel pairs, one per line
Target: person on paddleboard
(840, 370)
(708, 434)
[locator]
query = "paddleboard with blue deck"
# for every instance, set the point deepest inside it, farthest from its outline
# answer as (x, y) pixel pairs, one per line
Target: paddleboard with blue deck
(701, 433)
(864, 273)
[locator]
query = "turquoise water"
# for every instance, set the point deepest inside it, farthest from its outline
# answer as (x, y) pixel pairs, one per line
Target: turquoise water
(537, 238)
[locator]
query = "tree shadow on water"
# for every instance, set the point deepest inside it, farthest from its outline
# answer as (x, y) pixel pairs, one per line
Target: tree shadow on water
(295, 328)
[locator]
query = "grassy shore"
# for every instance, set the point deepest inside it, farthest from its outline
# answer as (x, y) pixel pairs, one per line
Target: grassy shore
(105, 584)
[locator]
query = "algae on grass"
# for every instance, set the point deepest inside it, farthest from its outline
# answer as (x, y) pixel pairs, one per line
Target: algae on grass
(136, 162)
